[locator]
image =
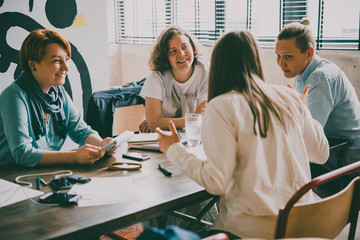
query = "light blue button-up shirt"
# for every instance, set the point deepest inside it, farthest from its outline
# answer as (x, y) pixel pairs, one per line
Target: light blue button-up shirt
(332, 101)
(17, 140)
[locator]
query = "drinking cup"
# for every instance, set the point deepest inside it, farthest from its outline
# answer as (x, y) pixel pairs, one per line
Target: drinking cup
(193, 128)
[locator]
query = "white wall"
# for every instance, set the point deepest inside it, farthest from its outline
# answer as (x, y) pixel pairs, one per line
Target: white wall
(111, 64)
(88, 34)
(129, 63)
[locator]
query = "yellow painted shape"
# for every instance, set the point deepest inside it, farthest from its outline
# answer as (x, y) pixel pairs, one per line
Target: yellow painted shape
(79, 21)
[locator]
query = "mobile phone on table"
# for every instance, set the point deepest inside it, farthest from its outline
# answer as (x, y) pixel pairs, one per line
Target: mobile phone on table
(60, 184)
(59, 198)
(136, 156)
(78, 179)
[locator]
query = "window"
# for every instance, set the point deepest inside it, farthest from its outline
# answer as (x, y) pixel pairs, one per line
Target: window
(334, 23)
(140, 21)
(339, 24)
(265, 21)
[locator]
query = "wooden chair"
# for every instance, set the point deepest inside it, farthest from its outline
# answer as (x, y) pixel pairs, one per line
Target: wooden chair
(338, 148)
(102, 105)
(325, 218)
(128, 118)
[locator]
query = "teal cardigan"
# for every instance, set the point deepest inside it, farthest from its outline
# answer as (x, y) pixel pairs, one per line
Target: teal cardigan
(17, 141)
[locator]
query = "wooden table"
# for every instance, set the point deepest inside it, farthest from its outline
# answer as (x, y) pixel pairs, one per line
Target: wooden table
(158, 195)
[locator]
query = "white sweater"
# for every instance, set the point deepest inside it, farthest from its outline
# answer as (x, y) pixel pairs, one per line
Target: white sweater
(255, 176)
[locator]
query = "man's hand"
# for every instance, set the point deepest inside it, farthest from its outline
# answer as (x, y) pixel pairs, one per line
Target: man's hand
(166, 140)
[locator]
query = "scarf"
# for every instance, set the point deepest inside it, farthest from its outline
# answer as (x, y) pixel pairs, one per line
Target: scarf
(184, 103)
(40, 102)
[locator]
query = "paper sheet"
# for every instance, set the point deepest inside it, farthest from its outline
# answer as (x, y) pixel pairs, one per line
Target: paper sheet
(106, 190)
(12, 193)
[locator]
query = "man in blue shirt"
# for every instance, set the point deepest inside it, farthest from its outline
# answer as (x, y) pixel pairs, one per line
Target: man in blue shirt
(331, 98)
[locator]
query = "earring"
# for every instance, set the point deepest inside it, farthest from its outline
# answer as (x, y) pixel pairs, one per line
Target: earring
(34, 69)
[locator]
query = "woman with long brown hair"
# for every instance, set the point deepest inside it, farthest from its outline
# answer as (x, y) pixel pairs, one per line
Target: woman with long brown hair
(258, 139)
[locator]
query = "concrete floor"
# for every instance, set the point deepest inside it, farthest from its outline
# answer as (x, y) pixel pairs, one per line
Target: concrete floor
(344, 234)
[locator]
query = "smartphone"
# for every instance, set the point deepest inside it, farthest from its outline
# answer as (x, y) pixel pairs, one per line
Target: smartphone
(78, 179)
(136, 156)
(60, 184)
(59, 198)
(123, 137)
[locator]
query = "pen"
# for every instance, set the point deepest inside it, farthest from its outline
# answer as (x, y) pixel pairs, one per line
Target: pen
(165, 171)
(38, 183)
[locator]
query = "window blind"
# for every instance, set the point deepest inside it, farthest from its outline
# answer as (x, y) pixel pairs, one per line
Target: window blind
(334, 24)
(293, 11)
(338, 25)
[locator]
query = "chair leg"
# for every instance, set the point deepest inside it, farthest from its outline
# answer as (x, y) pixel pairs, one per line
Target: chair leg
(190, 218)
(161, 221)
(352, 231)
(354, 213)
(202, 213)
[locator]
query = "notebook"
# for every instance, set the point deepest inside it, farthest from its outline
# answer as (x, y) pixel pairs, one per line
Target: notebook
(147, 141)
(141, 138)
(145, 146)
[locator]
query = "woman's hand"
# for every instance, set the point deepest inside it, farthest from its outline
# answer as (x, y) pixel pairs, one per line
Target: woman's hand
(110, 151)
(166, 140)
(144, 127)
(304, 95)
(88, 154)
(201, 107)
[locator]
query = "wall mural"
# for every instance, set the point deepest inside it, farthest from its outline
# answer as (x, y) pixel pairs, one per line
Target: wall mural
(61, 14)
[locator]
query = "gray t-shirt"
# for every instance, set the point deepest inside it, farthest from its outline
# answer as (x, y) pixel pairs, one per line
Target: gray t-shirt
(154, 88)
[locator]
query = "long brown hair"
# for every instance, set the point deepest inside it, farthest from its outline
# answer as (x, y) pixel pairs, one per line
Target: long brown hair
(159, 56)
(235, 62)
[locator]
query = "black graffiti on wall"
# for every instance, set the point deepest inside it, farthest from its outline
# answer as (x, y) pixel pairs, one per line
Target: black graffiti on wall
(61, 14)
(55, 10)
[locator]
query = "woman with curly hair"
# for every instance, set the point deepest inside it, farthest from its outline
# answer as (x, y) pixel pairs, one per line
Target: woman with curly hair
(178, 82)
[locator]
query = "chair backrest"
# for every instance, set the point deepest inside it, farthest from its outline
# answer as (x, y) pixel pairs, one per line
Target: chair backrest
(128, 118)
(102, 105)
(325, 218)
